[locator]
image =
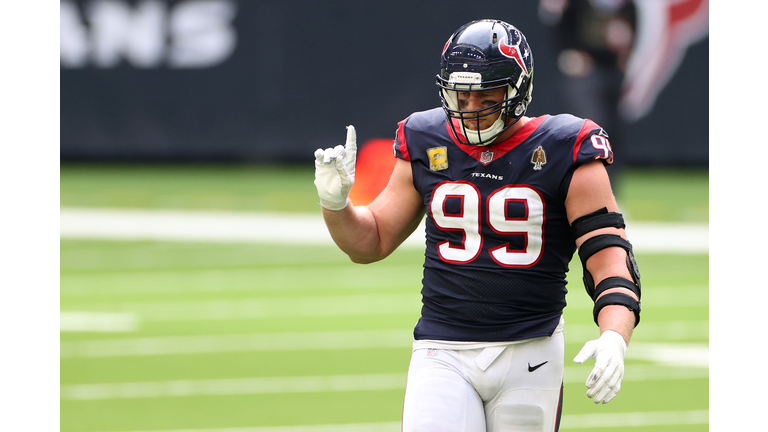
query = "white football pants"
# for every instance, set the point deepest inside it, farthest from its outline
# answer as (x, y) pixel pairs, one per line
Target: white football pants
(516, 387)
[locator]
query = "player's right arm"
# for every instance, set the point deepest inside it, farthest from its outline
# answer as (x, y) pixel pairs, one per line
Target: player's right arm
(367, 233)
(370, 233)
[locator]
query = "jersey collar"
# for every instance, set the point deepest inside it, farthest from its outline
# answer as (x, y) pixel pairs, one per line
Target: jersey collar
(498, 149)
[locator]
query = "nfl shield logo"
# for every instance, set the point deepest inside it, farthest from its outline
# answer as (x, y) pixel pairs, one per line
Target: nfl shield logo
(486, 157)
(431, 352)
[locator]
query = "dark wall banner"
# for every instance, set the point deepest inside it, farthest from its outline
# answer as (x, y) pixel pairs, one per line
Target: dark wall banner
(271, 81)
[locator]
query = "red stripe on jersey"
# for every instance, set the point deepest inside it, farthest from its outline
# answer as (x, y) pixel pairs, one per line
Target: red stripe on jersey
(499, 149)
(402, 147)
(586, 129)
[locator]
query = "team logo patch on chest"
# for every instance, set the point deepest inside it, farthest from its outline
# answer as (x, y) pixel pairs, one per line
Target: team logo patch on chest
(438, 158)
(538, 158)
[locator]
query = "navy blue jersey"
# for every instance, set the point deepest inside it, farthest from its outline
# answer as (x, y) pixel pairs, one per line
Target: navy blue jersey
(498, 242)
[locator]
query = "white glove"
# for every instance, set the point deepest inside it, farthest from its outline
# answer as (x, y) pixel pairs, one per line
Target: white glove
(608, 351)
(335, 172)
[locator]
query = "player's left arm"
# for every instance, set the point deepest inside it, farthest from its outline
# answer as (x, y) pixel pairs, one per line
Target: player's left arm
(589, 191)
(612, 277)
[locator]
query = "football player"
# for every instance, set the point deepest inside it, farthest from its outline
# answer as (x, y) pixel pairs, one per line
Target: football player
(508, 200)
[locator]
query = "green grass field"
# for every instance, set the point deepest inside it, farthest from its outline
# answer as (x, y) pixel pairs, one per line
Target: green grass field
(269, 337)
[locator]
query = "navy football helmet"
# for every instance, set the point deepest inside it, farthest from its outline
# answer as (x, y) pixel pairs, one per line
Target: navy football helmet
(485, 55)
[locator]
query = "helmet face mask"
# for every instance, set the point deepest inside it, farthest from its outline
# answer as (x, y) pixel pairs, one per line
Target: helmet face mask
(480, 57)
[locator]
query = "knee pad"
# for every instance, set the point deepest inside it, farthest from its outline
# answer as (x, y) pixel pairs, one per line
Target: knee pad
(518, 417)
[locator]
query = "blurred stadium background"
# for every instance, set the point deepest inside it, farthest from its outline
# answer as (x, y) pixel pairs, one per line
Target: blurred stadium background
(199, 289)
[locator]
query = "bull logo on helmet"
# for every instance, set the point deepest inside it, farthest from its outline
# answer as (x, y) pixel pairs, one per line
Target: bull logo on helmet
(513, 52)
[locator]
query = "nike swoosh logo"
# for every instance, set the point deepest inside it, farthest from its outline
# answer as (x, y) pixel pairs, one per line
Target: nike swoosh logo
(533, 368)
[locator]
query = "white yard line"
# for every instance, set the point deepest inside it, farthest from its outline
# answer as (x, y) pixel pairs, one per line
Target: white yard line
(647, 331)
(98, 322)
(172, 345)
(318, 384)
(658, 418)
(694, 355)
(672, 354)
(124, 313)
(568, 422)
(302, 229)
(171, 225)
(254, 308)
(351, 427)
(235, 386)
(128, 316)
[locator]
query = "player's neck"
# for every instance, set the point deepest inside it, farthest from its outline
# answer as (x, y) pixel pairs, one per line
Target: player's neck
(512, 130)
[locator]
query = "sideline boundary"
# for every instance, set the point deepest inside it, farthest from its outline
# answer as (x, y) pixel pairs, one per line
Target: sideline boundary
(303, 229)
